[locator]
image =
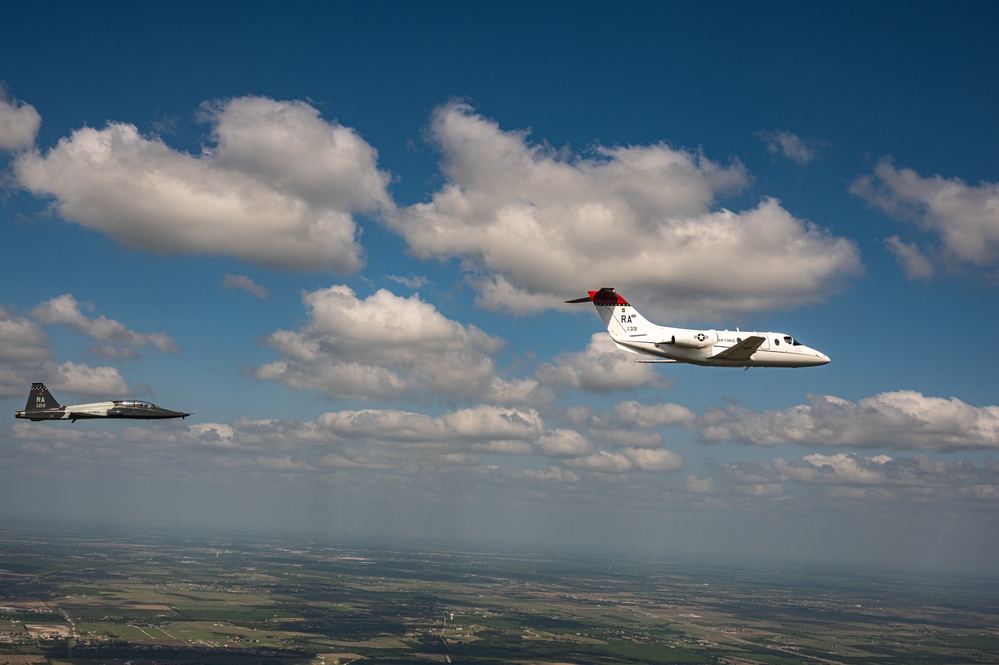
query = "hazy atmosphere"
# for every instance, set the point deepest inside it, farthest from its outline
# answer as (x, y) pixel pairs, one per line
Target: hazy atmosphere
(342, 235)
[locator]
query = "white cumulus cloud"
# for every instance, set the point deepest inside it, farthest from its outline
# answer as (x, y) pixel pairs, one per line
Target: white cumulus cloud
(791, 146)
(24, 351)
(642, 218)
(19, 123)
(280, 187)
(65, 310)
(964, 218)
(602, 367)
(903, 420)
(629, 459)
(650, 416)
(26, 356)
(915, 264)
(855, 476)
(244, 283)
(387, 346)
(86, 380)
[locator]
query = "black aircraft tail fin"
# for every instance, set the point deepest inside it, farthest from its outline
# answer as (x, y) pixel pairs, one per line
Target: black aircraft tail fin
(40, 398)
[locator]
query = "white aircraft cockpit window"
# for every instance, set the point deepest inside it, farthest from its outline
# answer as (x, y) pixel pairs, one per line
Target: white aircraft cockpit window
(792, 341)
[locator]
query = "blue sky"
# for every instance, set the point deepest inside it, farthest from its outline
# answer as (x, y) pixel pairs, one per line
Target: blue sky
(342, 234)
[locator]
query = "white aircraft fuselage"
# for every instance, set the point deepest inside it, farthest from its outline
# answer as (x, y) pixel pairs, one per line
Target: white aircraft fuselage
(713, 348)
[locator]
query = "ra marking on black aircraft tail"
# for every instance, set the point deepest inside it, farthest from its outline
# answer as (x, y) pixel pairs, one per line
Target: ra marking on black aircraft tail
(43, 406)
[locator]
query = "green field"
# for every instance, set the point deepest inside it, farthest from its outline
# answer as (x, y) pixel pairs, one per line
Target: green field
(224, 602)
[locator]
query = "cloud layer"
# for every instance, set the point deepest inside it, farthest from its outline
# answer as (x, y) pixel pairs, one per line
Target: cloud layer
(499, 445)
(282, 187)
(856, 477)
(901, 420)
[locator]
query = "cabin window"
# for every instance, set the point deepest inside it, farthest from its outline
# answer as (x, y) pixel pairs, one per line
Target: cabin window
(776, 341)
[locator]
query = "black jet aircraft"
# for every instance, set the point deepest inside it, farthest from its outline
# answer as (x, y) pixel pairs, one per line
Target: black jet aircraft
(43, 406)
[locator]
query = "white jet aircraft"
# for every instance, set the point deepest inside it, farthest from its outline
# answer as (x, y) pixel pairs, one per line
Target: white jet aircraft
(713, 348)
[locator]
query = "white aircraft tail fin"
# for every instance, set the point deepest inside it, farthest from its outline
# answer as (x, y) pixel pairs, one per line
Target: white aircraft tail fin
(622, 320)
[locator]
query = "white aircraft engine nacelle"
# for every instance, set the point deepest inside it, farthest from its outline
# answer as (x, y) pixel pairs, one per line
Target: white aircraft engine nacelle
(697, 340)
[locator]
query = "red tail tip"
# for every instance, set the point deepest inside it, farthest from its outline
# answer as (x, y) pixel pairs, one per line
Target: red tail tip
(607, 296)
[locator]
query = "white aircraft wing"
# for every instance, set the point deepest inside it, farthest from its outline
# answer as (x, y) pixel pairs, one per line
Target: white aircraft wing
(742, 351)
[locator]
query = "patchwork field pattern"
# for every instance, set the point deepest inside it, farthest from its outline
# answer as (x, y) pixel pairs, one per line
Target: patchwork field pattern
(114, 599)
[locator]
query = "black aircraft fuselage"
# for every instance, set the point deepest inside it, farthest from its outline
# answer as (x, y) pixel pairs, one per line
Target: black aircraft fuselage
(43, 406)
